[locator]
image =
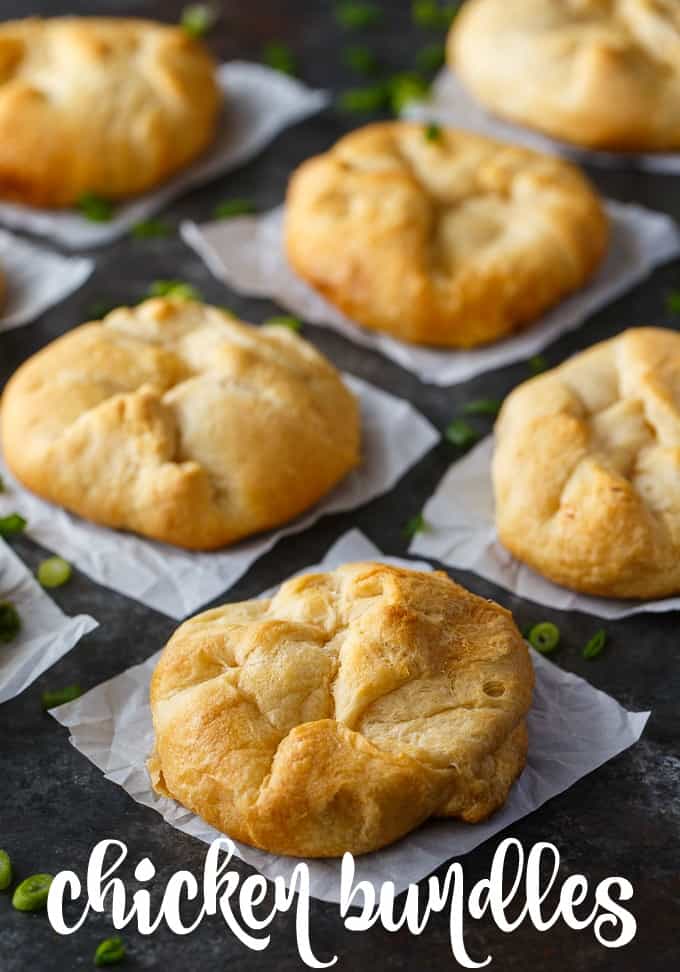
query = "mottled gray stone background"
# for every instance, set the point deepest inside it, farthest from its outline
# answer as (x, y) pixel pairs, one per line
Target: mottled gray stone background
(54, 806)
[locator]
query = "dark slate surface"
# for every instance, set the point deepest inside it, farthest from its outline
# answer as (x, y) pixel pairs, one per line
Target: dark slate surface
(54, 805)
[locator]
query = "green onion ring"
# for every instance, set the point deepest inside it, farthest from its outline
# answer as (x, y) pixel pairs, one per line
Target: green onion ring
(544, 637)
(31, 894)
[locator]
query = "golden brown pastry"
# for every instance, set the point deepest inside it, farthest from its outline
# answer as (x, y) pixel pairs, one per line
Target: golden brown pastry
(587, 468)
(173, 420)
(343, 712)
(604, 74)
(454, 241)
(96, 105)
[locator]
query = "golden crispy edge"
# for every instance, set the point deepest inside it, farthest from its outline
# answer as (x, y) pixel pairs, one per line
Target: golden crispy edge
(478, 318)
(181, 510)
(614, 114)
(611, 555)
(289, 804)
(39, 167)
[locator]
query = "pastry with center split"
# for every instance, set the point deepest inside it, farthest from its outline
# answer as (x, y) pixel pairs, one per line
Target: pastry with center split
(343, 712)
(441, 237)
(95, 105)
(587, 468)
(604, 74)
(176, 421)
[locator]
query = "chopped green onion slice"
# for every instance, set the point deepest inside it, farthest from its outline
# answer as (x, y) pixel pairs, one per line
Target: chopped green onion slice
(31, 894)
(537, 364)
(280, 57)
(483, 406)
(425, 13)
(173, 288)
(109, 952)
(355, 15)
(150, 229)
(10, 622)
(233, 207)
(433, 132)
(2, 485)
(673, 302)
(5, 870)
(374, 98)
(11, 525)
(95, 208)
(430, 14)
(100, 309)
(596, 644)
(417, 524)
(460, 433)
(360, 59)
(198, 18)
(285, 320)
(405, 88)
(544, 637)
(60, 696)
(431, 58)
(54, 572)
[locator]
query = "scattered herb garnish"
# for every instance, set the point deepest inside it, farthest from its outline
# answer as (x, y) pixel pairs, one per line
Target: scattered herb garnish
(11, 525)
(483, 406)
(95, 208)
(431, 57)
(596, 644)
(673, 302)
(431, 14)
(417, 524)
(60, 696)
(537, 364)
(100, 309)
(460, 433)
(285, 320)
(280, 57)
(173, 288)
(360, 59)
(198, 18)
(367, 100)
(150, 229)
(230, 208)
(10, 622)
(544, 637)
(354, 15)
(109, 952)
(433, 132)
(54, 572)
(31, 894)
(404, 88)
(5, 870)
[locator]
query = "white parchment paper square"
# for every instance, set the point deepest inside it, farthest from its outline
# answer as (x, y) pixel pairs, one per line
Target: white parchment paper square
(46, 632)
(248, 255)
(573, 729)
(461, 532)
(394, 437)
(259, 103)
(35, 279)
(449, 103)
